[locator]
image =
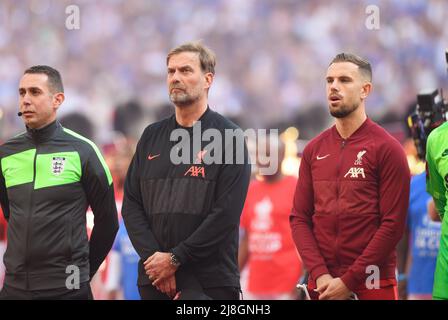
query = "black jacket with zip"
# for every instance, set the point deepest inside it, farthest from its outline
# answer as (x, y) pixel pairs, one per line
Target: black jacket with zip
(48, 178)
(191, 209)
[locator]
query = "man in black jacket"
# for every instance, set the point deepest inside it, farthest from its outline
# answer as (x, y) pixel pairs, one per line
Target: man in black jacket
(49, 175)
(183, 216)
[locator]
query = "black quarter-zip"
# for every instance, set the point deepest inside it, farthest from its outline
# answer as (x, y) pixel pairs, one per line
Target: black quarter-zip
(47, 217)
(193, 213)
(37, 136)
(28, 231)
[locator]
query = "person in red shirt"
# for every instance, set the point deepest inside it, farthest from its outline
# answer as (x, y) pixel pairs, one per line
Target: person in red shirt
(352, 196)
(266, 247)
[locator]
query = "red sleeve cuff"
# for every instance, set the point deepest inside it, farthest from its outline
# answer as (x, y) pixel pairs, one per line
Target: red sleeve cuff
(350, 281)
(318, 271)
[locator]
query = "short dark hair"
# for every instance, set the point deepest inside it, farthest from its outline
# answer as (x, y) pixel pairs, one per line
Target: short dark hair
(54, 77)
(207, 57)
(364, 66)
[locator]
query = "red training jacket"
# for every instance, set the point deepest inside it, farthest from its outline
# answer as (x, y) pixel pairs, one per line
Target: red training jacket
(350, 204)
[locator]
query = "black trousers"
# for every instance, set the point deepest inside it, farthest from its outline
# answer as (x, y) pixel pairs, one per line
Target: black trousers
(190, 289)
(220, 293)
(83, 293)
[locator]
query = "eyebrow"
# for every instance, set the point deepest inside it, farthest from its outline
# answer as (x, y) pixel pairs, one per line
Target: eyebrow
(30, 88)
(187, 66)
(340, 77)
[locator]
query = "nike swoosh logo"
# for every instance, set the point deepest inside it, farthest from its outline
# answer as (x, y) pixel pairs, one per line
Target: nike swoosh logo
(320, 158)
(150, 157)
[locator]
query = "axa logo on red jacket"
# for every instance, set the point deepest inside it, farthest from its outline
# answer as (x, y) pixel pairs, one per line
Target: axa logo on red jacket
(356, 172)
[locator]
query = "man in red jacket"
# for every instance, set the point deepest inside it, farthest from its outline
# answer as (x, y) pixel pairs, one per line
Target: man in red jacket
(352, 195)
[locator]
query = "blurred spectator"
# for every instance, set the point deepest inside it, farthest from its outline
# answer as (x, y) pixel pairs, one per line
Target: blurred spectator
(118, 158)
(417, 251)
(78, 123)
(129, 119)
(122, 269)
(266, 246)
(112, 279)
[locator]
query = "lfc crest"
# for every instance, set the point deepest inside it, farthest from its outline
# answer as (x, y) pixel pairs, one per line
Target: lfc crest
(57, 165)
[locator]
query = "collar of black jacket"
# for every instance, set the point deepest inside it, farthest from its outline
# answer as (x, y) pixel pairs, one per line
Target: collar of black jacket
(42, 134)
(203, 118)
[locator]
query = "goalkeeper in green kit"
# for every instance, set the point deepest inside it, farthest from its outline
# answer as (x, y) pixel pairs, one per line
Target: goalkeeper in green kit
(437, 186)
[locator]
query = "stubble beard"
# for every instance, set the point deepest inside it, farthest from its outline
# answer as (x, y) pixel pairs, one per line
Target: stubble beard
(343, 111)
(182, 99)
(179, 98)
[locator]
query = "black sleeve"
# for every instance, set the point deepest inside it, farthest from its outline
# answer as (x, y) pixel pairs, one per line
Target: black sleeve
(4, 195)
(230, 195)
(134, 216)
(98, 186)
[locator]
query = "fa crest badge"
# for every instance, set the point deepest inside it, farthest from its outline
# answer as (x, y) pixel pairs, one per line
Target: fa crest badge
(57, 165)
